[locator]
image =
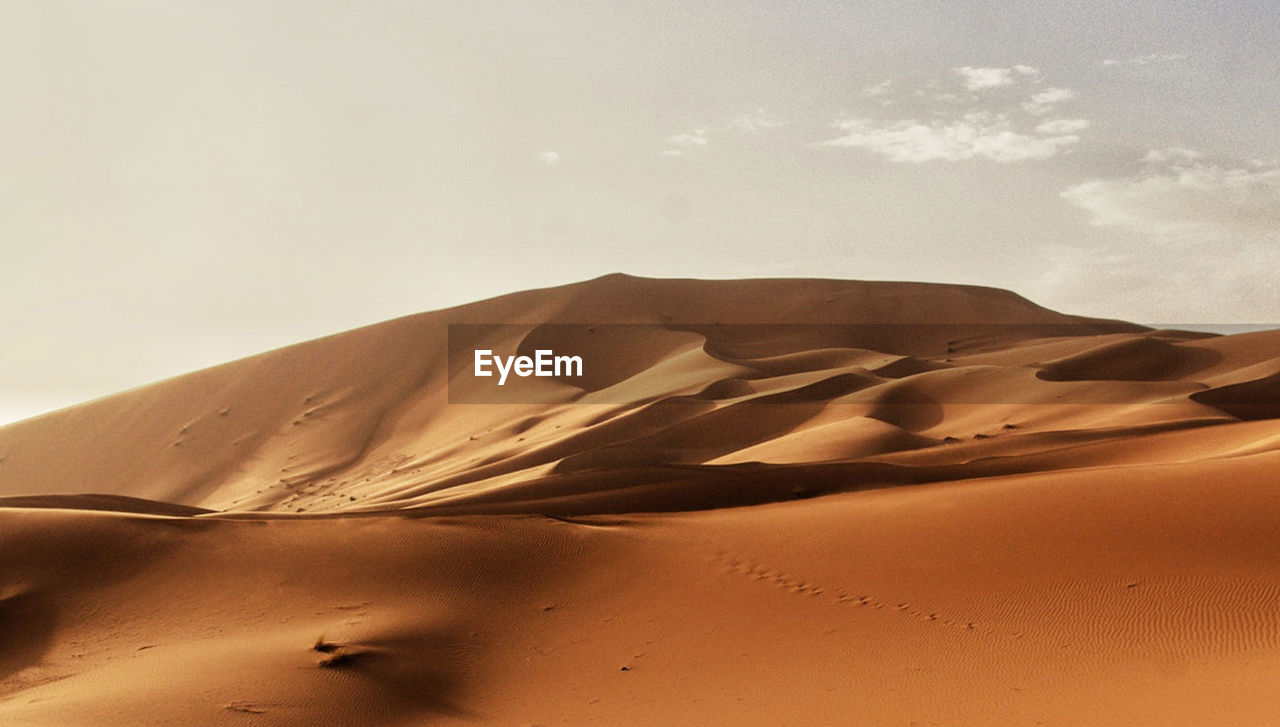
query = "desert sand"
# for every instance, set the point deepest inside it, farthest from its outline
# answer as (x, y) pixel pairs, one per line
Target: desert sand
(769, 502)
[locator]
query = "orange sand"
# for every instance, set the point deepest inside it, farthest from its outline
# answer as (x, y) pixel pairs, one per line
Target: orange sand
(1063, 522)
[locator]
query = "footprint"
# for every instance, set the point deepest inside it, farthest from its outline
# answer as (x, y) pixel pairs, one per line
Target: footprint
(759, 572)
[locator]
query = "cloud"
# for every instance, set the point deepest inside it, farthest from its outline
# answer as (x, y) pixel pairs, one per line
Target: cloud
(981, 78)
(1201, 243)
(883, 88)
(755, 122)
(1156, 283)
(548, 157)
(977, 135)
(956, 126)
(1062, 126)
(1043, 102)
(1146, 60)
(1171, 154)
(689, 140)
(681, 144)
(1187, 201)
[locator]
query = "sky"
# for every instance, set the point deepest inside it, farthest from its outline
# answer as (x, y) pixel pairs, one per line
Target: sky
(183, 184)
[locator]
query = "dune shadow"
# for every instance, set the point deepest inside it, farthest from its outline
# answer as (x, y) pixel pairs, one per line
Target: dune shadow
(1249, 400)
(394, 676)
(27, 624)
(1138, 359)
(907, 408)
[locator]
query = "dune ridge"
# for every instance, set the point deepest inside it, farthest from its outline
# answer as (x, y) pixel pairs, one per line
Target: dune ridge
(881, 501)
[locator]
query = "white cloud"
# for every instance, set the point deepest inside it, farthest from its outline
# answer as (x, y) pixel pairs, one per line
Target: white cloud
(1146, 60)
(548, 157)
(983, 77)
(755, 122)
(1063, 126)
(977, 135)
(1042, 102)
(1191, 226)
(1150, 282)
(1187, 201)
(883, 88)
(1170, 155)
(697, 137)
(682, 144)
(976, 79)
(955, 126)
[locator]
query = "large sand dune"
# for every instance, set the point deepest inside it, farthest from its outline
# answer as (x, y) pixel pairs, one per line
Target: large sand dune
(765, 502)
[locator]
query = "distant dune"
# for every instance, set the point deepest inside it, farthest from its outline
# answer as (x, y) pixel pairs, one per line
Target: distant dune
(764, 502)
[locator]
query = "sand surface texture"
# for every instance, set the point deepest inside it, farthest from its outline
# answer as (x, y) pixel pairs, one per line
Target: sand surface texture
(765, 502)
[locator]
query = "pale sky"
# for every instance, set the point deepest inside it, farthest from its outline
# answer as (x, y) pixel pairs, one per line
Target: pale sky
(183, 184)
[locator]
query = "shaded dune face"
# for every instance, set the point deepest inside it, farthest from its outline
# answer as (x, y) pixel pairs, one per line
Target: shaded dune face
(27, 623)
(1248, 400)
(889, 500)
(1141, 358)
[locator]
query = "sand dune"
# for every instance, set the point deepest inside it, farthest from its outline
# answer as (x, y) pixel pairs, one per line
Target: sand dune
(765, 502)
